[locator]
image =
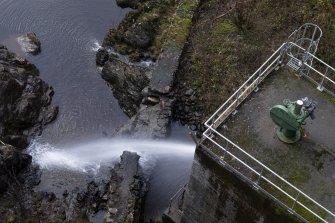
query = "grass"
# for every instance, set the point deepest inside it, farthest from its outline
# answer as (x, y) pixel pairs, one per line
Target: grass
(175, 26)
(229, 42)
(164, 21)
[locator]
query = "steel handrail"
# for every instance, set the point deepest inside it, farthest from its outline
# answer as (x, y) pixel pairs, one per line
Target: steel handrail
(176, 196)
(264, 166)
(245, 89)
(243, 85)
(289, 44)
(252, 84)
(270, 182)
(312, 55)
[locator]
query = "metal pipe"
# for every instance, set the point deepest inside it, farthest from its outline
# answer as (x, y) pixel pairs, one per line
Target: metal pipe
(298, 106)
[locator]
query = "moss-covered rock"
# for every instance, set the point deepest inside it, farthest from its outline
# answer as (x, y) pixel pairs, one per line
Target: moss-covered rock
(149, 28)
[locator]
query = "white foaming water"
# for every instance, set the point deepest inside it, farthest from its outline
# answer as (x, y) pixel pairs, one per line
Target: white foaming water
(96, 46)
(147, 63)
(89, 156)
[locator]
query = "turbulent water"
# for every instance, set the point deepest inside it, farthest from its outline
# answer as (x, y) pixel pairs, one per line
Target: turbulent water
(90, 156)
(73, 149)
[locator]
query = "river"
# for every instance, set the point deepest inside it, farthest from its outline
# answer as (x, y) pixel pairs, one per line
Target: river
(70, 32)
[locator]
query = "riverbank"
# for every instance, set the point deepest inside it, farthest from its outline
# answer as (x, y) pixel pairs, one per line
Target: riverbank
(25, 108)
(146, 94)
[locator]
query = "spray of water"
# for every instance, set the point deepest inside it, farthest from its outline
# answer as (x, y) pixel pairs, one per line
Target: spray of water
(96, 46)
(90, 156)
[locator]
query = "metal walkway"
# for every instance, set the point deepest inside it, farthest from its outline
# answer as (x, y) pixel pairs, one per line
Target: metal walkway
(297, 54)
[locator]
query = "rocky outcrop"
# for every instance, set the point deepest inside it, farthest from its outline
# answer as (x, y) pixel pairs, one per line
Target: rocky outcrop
(144, 33)
(156, 30)
(144, 96)
(30, 43)
(150, 121)
(132, 38)
(186, 108)
(137, 33)
(128, 3)
(119, 198)
(24, 100)
(125, 191)
(12, 161)
(153, 118)
(101, 57)
(164, 73)
(127, 82)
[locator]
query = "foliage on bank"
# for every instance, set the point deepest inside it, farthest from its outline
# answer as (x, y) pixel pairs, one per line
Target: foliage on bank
(147, 30)
(229, 41)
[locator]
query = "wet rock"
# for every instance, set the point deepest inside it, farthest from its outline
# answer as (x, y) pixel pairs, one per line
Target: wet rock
(189, 92)
(101, 57)
(186, 107)
(150, 100)
(145, 92)
(136, 33)
(131, 35)
(125, 190)
(112, 211)
(140, 35)
(128, 3)
(65, 193)
(150, 121)
(127, 82)
(120, 197)
(24, 100)
(163, 74)
(12, 161)
(30, 43)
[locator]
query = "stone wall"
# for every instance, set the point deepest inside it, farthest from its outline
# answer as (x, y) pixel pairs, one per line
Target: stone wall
(213, 194)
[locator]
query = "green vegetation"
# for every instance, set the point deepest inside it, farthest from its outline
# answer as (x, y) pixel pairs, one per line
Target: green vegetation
(228, 42)
(150, 28)
(174, 26)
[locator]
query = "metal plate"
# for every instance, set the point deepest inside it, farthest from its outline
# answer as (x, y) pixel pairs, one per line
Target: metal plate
(282, 117)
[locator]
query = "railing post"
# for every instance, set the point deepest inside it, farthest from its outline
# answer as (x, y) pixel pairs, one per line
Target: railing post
(296, 198)
(170, 206)
(260, 175)
(303, 61)
(236, 103)
(281, 55)
(320, 86)
(225, 151)
(237, 97)
(256, 184)
(258, 79)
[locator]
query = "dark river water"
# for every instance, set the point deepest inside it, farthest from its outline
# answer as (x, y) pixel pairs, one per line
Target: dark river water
(70, 32)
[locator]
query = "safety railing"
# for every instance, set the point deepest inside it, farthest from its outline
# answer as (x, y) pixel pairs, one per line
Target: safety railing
(177, 199)
(307, 36)
(246, 89)
(247, 166)
(313, 68)
(262, 177)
